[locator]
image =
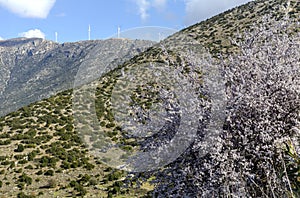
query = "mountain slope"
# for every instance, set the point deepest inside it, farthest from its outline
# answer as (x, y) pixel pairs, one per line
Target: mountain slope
(54, 116)
(33, 69)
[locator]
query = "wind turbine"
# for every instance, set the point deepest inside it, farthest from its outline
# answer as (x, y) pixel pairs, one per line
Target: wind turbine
(119, 31)
(56, 35)
(89, 32)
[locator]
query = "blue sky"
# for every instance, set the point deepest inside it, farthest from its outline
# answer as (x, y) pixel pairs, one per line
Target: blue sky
(71, 18)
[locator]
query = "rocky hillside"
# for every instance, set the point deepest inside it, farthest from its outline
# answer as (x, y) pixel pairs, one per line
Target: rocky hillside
(44, 155)
(33, 69)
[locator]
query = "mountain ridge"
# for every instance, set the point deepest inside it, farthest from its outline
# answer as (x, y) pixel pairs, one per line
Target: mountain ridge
(33, 69)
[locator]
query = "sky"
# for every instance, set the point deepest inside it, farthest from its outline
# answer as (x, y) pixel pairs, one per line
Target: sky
(71, 18)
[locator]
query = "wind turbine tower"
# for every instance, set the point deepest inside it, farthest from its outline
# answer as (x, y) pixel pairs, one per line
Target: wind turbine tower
(89, 31)
(56, 35)
(119, 31)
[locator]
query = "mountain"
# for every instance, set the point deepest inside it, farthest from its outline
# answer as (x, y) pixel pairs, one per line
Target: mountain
(33, 69)
(44, 155)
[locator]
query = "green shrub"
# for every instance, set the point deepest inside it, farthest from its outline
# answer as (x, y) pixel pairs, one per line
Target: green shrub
(2, 158)
(65, 165)
(32, 155)
(93, 182)
(6, 162)
(5, 142)
(23, 195)
(80, 189)
(23, 161)
(84, 179)
(26, 179)
(29, 167)
(115, 175)
(39, 172)
(89, 166)
(49, 173)
(18, 157)
(20, 148)
(4, 135)
(48, 161)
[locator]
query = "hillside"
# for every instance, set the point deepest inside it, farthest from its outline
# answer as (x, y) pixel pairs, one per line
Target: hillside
(34, 69)
(44, 155)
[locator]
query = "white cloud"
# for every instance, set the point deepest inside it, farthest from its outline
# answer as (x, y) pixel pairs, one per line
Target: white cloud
(29, 8)
(198, 10)
(143, 6)
(1, 38)
(35, 33)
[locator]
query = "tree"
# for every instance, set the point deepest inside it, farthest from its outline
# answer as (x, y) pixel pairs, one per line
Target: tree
(263, 113)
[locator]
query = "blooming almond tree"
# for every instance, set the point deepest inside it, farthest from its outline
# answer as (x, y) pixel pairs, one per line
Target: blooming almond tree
(260, 141)
(264, 106)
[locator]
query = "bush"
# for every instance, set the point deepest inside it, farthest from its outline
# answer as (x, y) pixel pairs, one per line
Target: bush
(23, 195)
(29, 167)
(32, 155)
(80, 189)
(49, 173)
(20, 148)
(5, 142)
(40, 172)
(25, 179)
(89, 166)
(2, 158)
(93, 182)
(115, 175)
(23, 161)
